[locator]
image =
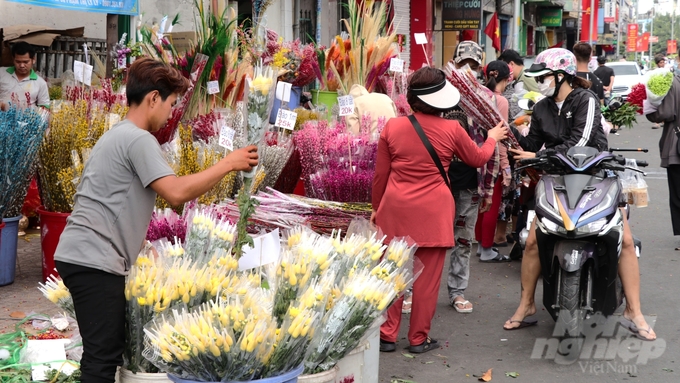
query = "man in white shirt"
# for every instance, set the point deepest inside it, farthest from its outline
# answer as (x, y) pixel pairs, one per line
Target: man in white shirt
(19, 80)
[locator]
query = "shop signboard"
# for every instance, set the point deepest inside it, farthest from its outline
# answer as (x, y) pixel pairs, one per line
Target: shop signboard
(117, 7)
(459, 15)
(551, 17)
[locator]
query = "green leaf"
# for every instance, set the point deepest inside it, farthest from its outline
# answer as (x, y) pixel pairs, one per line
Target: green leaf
(512, 374)
(667, 369)
(399, 380)
(408, 355)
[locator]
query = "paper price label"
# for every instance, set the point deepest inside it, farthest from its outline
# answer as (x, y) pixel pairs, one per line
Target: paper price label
(213, 87)
(397, 65)
(227, 137)
(82, 72)
(346, 105)
(286, 119)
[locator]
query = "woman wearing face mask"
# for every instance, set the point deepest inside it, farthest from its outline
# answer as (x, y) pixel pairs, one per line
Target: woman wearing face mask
(569, 116)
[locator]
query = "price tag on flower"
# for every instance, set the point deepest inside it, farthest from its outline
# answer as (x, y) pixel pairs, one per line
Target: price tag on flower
(396, 65)
(286, 119)
(227, 137)
(346, 105)
(213, 87)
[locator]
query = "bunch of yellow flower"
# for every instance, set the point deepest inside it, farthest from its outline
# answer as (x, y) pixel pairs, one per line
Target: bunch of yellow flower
(74, 127)
(190, 157)
(54, 290)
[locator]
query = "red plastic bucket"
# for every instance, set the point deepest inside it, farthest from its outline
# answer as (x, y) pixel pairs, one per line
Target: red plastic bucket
(51, 226)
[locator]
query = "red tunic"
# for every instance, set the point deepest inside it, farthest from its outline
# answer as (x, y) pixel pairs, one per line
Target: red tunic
(409, 194)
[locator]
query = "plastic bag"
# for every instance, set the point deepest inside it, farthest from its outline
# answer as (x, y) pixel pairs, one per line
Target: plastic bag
(634, 186)
(653, 98)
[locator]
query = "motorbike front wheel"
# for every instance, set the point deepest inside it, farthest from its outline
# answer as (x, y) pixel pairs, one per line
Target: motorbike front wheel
(573, 297)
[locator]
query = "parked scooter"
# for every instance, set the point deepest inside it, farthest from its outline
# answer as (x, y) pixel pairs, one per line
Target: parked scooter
(579, 230)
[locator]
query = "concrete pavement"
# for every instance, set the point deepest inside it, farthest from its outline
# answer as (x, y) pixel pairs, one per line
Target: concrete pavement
(473, 343)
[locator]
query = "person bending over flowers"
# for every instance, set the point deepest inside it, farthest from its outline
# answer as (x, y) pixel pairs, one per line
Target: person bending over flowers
(113, 206)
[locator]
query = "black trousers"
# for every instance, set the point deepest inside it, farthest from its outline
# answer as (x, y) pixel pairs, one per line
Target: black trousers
(673, 172)
(99, 301)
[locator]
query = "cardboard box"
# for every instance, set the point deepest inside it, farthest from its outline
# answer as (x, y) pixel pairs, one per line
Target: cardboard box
(182, 41)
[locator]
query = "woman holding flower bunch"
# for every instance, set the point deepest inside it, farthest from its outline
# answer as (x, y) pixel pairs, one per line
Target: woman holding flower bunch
(412, 197)
(113, 206)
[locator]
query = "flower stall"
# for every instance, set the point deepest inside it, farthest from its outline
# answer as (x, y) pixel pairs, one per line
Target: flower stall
(194, 311)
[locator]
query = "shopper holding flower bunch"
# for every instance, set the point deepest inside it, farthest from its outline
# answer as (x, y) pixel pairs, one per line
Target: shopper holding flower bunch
(412, 196)
(113, 206)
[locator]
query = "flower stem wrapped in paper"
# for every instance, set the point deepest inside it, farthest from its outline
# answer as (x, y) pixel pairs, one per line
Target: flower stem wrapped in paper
(476, 100)
(260, 101)
(657, 82)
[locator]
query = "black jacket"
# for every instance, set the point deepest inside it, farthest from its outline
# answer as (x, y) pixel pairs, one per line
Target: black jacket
(578, 123)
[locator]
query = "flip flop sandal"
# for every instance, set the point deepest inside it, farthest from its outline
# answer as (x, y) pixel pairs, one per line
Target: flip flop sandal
(428, 345)
(632, 327)
(500, 258)
(386, 346)
(493, 248)
(522, 324)
(502, 244)
(461, 309)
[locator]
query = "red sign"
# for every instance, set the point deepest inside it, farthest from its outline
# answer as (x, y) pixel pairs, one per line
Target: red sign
(632, 38)
(653, 39)
(588, 17)
(672, 47)
(644, 43)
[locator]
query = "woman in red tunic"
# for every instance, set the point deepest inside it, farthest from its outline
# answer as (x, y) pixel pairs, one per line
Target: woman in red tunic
(411, 198)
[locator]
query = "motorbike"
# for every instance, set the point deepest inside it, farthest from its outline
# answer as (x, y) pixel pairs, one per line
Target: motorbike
(579, 230)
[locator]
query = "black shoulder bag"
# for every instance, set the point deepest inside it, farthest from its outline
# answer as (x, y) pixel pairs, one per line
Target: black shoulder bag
(430, 149)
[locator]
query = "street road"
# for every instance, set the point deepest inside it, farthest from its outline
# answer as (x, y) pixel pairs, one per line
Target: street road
(474, 343)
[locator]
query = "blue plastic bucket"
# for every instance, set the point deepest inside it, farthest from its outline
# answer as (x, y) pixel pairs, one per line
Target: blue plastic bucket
(289, 377)
(8, 250)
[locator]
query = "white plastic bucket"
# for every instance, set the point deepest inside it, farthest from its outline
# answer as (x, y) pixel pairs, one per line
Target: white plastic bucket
(321, 377)
(127, 376)
(362, 363)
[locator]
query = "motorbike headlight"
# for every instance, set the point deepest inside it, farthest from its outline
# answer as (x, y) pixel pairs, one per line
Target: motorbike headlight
(593, 227)
(606, 203)
(552, 226)
(542, 201)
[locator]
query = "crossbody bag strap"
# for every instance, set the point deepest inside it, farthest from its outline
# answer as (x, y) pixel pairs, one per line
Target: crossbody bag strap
(430, 149)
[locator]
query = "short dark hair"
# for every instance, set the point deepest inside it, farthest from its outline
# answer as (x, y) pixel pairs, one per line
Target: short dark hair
(658, 58)
(582, 51)
(21, 48)
(422, 78)
(146, 75)
(513, 56)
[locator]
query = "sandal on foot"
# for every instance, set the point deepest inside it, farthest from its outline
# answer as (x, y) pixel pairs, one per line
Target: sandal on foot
(522, 324)
(501, 244)
(500, 258)
(632, 327)
(386, 346)
(406, 308)
(460, 306)
(428, 345)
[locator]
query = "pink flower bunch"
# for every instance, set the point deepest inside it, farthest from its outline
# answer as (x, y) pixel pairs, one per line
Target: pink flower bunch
(166, 224)
(336, 165)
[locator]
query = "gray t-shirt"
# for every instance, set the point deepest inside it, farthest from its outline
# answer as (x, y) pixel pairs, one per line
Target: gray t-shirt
(113, 203)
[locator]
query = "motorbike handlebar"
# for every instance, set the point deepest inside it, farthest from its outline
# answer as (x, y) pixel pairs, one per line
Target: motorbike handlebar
(643, 150)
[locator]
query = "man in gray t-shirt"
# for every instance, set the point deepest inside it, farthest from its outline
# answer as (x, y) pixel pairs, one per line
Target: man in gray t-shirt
(114, 201)
(113, 206)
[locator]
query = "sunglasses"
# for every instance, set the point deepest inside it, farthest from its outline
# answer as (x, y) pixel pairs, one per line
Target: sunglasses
(540, 79)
